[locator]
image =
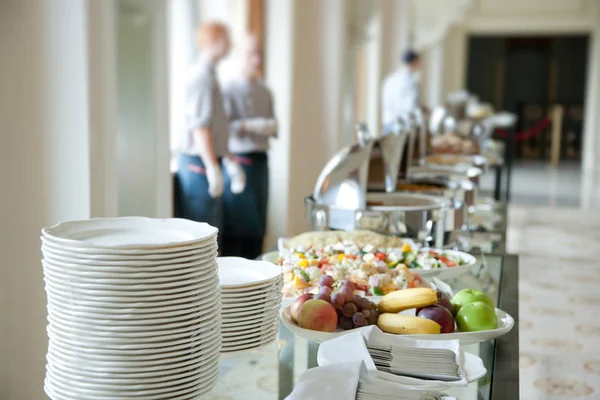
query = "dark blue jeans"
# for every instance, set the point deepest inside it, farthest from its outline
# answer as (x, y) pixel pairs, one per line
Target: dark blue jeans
(245, 214)
(192, 200)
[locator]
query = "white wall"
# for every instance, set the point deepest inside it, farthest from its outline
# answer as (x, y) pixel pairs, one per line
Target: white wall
(44, 168)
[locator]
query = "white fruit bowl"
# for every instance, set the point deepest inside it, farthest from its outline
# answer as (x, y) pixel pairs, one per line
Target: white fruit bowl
(505, 324)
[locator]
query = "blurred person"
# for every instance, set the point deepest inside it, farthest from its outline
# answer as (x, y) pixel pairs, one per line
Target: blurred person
(203, 151)
(250, 107)
(401, 92)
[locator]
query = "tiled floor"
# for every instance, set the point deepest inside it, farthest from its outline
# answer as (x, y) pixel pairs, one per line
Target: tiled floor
(559, 297)
(536, 183)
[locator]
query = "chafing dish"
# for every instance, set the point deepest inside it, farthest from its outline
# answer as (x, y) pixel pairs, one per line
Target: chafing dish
(344, 199)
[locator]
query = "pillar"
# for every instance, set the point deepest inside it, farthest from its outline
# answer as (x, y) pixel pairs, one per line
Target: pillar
(434, 74)
(304, 68)
(44, 168)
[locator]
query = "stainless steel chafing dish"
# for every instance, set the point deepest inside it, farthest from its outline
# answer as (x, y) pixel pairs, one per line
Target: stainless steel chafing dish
(344, 199)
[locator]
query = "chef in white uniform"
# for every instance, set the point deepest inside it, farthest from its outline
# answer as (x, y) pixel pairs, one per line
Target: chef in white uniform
(249, 104)
(401, 90)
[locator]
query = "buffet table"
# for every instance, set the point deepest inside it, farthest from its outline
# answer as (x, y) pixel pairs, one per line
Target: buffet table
(270, 372)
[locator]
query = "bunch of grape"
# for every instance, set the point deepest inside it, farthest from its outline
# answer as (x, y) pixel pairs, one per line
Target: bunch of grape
(353, 311)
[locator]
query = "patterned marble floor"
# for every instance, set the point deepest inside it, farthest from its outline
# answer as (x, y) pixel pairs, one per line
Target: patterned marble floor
(559, 297)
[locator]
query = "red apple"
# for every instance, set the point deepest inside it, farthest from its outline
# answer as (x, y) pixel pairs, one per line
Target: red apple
(297, 304)
(439, 314)
(318, 315)
(444, 300)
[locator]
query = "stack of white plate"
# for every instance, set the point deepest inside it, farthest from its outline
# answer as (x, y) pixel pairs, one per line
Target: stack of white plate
(133, 309)
(251, 297)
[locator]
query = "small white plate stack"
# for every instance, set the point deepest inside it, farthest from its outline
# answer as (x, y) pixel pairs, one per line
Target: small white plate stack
(251, 297)
(133, 309)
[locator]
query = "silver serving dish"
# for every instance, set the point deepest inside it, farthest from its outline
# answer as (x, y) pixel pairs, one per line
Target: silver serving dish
(452, 172)
(461, 193)
(445, 160)
(343, 180)
(357, 189)
(413, 215)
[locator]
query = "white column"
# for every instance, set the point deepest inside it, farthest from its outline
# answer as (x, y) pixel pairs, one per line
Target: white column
(434, 74)
(590, 190)
(44, 168)
(375, 55)
(395, 32)
(102, 108)
(591, 143)
(304, 68)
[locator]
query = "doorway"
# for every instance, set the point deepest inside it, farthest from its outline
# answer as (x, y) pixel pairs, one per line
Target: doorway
(529, 74)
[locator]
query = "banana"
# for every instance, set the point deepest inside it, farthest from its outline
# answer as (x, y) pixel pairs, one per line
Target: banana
(401, 300)
(407, 324)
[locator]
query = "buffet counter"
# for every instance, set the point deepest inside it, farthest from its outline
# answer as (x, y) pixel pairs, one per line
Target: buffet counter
(272, 371)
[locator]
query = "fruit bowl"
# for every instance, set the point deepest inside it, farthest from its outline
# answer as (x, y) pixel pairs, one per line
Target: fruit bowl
(505, 324)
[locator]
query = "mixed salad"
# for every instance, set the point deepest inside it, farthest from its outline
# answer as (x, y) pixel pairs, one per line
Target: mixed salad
(374, 271)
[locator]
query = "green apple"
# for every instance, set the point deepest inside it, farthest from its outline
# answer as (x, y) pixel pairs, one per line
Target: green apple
(467, 296)
(477, 316)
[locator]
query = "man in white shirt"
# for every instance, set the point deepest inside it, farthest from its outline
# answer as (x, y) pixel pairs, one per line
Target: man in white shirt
(203, 150)
(401, 91)
(252, 123)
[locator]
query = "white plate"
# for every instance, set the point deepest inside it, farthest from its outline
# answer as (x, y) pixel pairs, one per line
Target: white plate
(93, 355)
(133, 291)
(159, 253)
(265, 305)
(243, 315)
(133, 233)
(231, 328)
(237, 302)
(86, 364)
(206, 271)
(263, 292)
(127, 385)
(125, 279)
(505, 324)
(130, 315)
(67, 336)
(125, 255)
(249, 346)
(240, 273)
(191, 395)
(74, 360)
(248, 332)
(121, 273)
(149, 352)
(118, 315)
(120, 303)
(451, 272)
(93, 337)
(257, 320)
(206, 382)
(79, 263)
(187, 395)
(471, 261)
(189, 321)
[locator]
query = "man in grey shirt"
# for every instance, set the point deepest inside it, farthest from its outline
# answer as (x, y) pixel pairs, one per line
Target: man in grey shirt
(203, 145)
(250, 107)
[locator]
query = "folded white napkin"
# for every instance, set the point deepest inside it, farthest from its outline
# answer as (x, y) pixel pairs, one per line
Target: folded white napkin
(352, 347)
(340, 382)
(334, 381)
